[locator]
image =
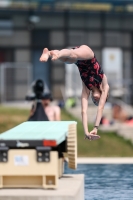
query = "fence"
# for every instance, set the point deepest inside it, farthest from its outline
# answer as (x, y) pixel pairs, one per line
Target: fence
(73, 84)
(15, 79)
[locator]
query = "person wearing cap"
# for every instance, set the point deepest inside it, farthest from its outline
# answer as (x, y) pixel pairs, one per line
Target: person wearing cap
(52, 111)
(94, 80)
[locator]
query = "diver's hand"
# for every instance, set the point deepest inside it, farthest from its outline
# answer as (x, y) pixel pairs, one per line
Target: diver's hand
(92, 135)
(94, 131)
(87, 135)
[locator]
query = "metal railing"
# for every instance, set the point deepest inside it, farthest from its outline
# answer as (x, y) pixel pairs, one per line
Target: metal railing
(15, 79)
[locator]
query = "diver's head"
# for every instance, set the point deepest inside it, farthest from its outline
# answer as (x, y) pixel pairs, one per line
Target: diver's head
(95, 95)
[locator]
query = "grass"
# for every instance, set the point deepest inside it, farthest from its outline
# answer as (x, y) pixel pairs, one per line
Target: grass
(110, 145)
(10, 117)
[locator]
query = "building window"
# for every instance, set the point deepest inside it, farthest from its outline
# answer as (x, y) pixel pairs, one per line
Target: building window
(6, 27)
(76, 21)
(58, 72)
(112, 39)
(94, 38)
(57, 38)
(113, 22)
(93, 21)
(76, 38)
(117, 39)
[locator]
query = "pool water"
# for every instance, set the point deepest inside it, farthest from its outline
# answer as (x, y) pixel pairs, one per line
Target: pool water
(105, 181)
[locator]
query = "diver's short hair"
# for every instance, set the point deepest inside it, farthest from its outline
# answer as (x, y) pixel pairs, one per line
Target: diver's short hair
(94, 101)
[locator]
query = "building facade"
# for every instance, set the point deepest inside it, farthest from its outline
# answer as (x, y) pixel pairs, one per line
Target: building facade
(22, 40)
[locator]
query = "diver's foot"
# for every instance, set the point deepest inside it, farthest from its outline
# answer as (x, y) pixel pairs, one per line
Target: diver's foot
(45, 55)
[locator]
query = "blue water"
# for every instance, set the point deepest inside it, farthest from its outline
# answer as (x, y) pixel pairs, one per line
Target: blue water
(106, 182)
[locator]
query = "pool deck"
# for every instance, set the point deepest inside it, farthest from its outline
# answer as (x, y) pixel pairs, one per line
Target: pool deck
(103, 160)
(70, 187)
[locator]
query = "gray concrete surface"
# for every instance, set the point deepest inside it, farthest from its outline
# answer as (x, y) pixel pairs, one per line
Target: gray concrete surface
(92, 110)
(18, 104)
(21, 104)
(117, 160)
(71, 187)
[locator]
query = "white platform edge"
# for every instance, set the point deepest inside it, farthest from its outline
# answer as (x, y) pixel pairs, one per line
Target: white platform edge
(114, 160)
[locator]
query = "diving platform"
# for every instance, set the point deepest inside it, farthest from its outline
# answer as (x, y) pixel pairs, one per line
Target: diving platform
(32, 154)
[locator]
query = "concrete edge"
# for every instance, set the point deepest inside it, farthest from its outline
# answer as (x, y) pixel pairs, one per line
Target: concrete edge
(103, 160)
(71, 187)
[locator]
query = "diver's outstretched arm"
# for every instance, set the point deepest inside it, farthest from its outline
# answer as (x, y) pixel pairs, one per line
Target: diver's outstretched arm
(84, 107)
(103, 98)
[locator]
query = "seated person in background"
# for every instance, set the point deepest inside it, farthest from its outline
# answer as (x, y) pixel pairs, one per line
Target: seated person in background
(52, 111)
(104, 121)
(118, 113)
